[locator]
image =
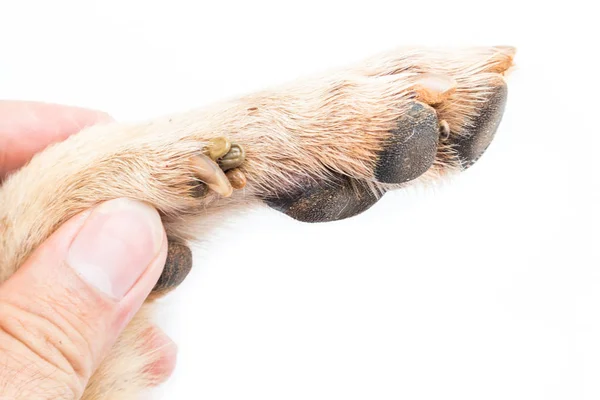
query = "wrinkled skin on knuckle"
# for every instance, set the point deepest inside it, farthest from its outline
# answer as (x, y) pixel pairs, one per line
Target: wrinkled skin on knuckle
(40, 360)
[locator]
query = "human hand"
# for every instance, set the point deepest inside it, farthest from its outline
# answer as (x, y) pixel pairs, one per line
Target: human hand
(62, 311)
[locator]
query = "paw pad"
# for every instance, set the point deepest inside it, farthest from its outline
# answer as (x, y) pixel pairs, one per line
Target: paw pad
(324, 202)
(411, 148)
(471, 145)
(177, 267)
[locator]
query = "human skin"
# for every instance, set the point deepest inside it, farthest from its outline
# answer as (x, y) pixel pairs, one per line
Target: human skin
(58, 316)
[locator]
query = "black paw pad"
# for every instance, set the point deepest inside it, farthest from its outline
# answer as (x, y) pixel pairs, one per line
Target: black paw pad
(476, 139)
(177, 266)
(410, 150)
(324, 202)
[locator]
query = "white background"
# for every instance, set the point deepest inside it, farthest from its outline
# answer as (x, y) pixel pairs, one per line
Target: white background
(485, 287)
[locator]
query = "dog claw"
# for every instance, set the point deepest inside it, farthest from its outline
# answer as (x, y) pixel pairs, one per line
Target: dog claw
(210, 173)
(435, 88)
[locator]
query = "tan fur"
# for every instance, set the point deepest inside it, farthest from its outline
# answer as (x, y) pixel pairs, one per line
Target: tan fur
(303, 131)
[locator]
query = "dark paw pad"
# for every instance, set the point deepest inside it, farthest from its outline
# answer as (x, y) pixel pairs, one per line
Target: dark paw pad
(177, 266)
(324, 202)
(410, 150)
(476, 139)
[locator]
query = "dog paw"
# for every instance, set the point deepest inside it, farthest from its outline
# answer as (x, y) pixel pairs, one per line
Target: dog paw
(320, 150)
(441, 121)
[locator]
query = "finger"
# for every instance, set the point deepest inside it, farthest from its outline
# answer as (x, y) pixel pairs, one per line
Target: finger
(65, 307)
(28, 127)
(164, 365)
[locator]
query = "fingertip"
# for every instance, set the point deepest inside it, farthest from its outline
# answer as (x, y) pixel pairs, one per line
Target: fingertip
(27, 127)
(45, 117)
(83, 117)
(163, 365)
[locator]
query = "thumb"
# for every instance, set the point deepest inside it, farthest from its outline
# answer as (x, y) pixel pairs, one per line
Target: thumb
(62, 311)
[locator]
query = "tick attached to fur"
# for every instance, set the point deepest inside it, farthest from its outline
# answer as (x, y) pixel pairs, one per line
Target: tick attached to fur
(221, 156)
